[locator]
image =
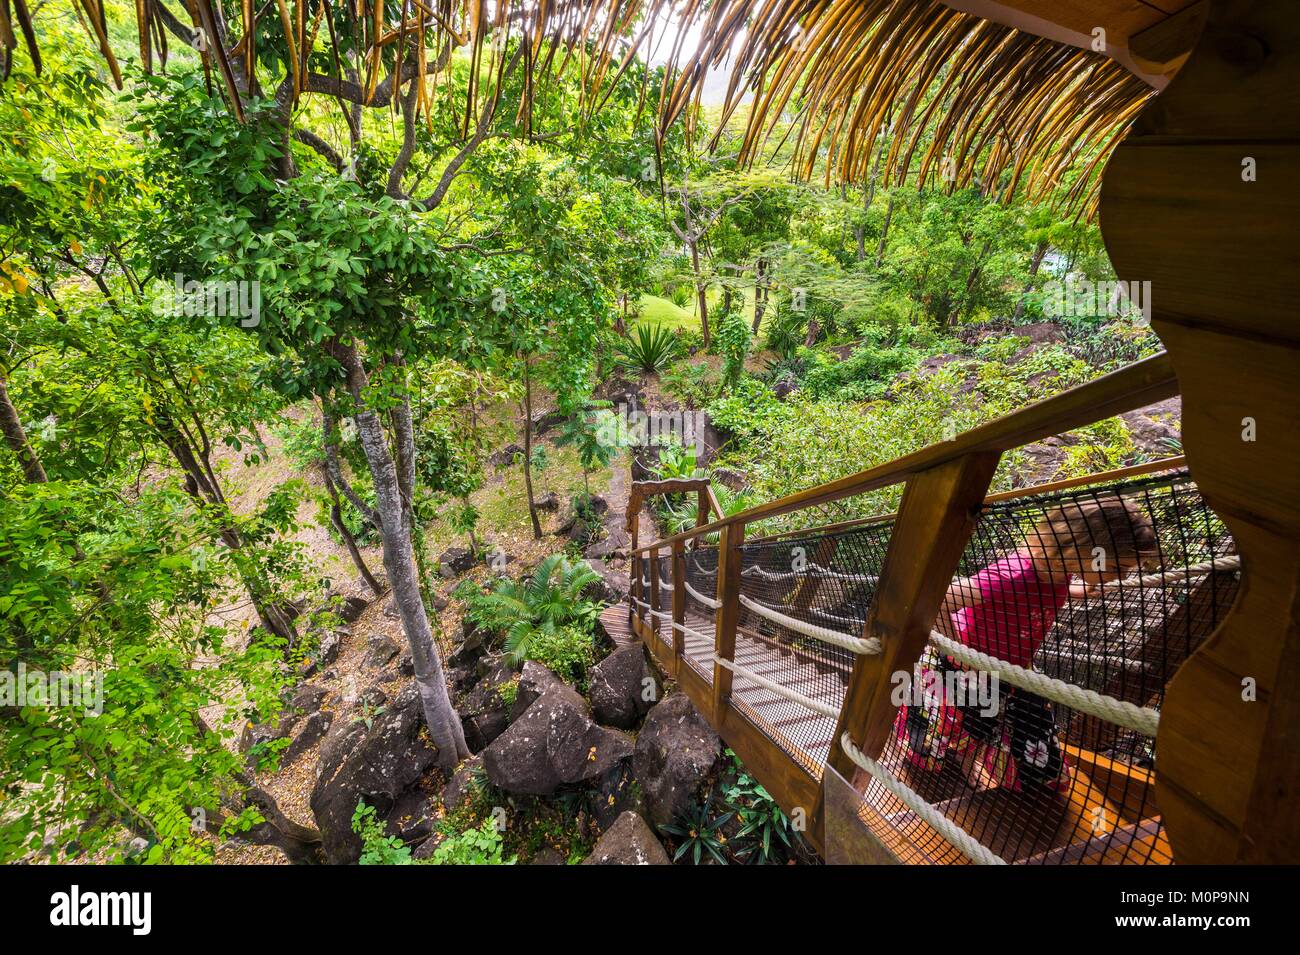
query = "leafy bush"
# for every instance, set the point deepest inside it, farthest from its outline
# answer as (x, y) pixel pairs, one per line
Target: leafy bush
(863, 375)
(481, 846)
(699, 836)
(538, 606)
(696, 384)
(733, 340)
(569, 652)
(675, 461)
(648, 348)
(377, 846)
(746, 409)
(681, 515)
(785, 332)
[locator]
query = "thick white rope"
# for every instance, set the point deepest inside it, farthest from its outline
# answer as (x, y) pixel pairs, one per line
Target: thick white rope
(827, 615)
(1232, 562)
(827, 573)
(959, 837)
(707, 601)
(1143, 719)
(869, 646)
(816, 706)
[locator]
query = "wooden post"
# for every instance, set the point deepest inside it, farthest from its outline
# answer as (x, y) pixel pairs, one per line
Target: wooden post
(654, 590)
(1200, 201)
(679, 601)
(728, 614)
(934, 523)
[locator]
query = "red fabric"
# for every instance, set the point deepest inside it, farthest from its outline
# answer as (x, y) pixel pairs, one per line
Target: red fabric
(1015, 611)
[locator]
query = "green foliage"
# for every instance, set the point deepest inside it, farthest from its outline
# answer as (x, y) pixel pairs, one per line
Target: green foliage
(744, 410)
(648, 348)
(584, 431)
(694, 383)
(377, 847)
(863, 375)
(699, 835)
(733, 341)
(766, 835)
(480, 846)
(538, 607)
(675, 461)
(568, 651)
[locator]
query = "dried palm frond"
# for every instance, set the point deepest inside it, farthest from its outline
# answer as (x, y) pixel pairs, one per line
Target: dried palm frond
(957, 99)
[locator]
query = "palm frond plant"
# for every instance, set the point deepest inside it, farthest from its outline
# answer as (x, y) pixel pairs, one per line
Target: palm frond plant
(681, 516)
(648, 348)
(545, 602)
(586, 433)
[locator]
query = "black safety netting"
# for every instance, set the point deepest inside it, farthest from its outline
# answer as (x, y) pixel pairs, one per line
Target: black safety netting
(1108, 589)
(699, 617)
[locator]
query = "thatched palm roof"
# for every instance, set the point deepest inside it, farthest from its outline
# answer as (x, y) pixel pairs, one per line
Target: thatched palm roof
(968, 99)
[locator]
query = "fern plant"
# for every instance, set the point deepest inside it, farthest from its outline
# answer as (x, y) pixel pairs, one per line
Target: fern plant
(542, 603)
(649, 348)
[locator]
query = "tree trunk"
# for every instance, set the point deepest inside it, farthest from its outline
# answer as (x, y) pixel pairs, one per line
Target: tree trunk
(443, 723)
(760, 291)
(884, 232)
(810, 338)
(701, 290)
(1035, 263)
(528, 451)
(16, 438)
(350, 542)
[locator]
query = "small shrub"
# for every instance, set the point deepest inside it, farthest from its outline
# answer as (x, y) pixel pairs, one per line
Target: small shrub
(548, 600)
(733, 341)
(568, 652)
(377, 847)
(480, 846)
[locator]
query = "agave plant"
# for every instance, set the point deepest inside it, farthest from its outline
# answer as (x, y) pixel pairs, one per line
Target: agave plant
(649, 348)
(544, 602)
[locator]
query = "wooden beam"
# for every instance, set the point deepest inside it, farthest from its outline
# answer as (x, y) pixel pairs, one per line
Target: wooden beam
(679, 602)
(1201, 200)
(935, 520)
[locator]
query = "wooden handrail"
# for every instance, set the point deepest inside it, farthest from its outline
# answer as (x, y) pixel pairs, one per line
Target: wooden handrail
(1049, 487)
(1133, 386)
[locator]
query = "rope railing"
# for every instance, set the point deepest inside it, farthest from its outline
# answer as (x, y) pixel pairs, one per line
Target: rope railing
(707, 601)
(868, 646)
(1141, 719)
(971, 847)
(1178, 573)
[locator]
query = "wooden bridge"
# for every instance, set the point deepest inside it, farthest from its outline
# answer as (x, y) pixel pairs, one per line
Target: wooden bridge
(794, 668)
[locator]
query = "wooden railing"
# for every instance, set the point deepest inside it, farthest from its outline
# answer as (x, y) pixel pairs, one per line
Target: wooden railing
(945, 486)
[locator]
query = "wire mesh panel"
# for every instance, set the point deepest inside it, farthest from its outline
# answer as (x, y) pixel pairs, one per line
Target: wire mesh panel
(699, 618)
(663, 605)
(1105, 589)
(823, 581)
